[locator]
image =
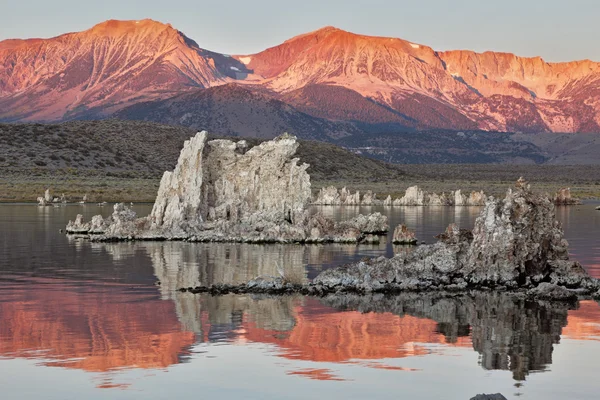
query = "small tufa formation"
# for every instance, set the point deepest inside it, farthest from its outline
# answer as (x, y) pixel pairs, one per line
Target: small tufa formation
(403, 235)
(45, 200)
(388, 201)
(328, 196)
(563, 198)
(415, 196)
(369, 198)
(349, 199)
(473, 199)
(222, 191)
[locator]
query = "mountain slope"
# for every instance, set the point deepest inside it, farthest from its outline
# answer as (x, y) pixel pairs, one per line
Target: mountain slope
(112, 64)
(236, 111)
(329, 74)
(452, 90)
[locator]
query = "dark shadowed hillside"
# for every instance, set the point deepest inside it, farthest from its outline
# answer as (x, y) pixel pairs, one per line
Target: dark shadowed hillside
(237, 111)
(144, 150)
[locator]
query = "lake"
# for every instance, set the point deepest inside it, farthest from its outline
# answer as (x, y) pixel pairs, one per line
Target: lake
(105, 320)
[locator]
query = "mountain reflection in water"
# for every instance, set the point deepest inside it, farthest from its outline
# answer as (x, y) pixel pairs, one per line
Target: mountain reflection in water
(102, 327)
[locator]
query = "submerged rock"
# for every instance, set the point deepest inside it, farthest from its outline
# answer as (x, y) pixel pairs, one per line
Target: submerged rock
(496, 396)
(403, 235)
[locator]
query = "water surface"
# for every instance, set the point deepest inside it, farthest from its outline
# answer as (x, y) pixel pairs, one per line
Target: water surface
(80, 319)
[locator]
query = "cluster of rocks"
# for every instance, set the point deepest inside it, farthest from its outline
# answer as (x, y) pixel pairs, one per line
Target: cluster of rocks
(331, 196)
(222, 191)
(403, 235)
(47, 199)
(414, 196)
(516, 245)
(563, 198)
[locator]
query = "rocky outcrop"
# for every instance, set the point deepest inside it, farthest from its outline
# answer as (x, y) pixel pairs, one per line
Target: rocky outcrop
(563, 198)
(516, 242)
(495, 396)
(331, 196)
(45, 200)
(473, 199)
(403, 235)
(328, 196)
(369, 198)
(222, 191)
(388, 201)
(516, 245)
(413, 197)
(375, 223)
(348, 198)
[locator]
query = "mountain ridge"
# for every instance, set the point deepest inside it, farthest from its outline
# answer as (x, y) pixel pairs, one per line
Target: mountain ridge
(118, 64)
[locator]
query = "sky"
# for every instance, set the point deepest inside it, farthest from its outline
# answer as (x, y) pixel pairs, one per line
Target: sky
(556, 30)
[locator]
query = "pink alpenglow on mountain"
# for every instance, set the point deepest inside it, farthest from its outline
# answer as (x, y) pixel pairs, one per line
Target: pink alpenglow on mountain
(330, 74)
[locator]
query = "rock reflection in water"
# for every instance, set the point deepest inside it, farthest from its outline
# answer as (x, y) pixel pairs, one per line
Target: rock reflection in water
(508, 333)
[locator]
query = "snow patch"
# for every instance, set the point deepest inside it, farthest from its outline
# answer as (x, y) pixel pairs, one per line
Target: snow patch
(235, 69)
(226, 56)
(455, 74)
(246, 60)
(415, 46)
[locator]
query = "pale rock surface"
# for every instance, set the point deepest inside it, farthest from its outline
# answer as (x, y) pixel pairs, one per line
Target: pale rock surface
(329, 196)
(563, 198)
(375, 223)
(348, 198)
(78, 226)
(403, 235)
(435, 199)
(473, 199)
(414, 196)
(222, 191)
(516, 242)
(369, 198)
(388, 201)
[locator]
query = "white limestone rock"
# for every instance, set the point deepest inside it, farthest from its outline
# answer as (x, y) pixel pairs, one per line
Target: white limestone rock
(413, 197)
(403, 235)
(328, 196)
(369, 198)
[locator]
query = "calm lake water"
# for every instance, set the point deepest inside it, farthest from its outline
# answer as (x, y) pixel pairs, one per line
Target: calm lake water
(89, 320)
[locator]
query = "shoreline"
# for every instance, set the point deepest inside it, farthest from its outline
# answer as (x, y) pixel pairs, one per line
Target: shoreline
(19, 189)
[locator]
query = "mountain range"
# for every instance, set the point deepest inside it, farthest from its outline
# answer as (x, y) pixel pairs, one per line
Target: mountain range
(327, 84)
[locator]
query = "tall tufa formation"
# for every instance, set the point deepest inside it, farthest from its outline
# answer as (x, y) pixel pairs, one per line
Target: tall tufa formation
(222, 191)
(226, 182)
